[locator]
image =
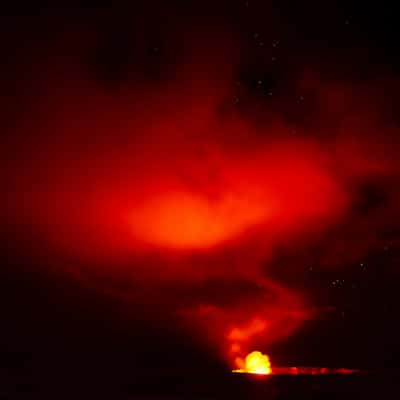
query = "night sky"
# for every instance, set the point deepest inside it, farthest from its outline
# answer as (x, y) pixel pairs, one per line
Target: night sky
(185, 182)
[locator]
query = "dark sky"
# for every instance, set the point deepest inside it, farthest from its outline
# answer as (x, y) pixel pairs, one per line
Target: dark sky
(102, 106)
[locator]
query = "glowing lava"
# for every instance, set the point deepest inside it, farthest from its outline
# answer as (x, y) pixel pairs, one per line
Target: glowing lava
(255, 363)
(260, 364)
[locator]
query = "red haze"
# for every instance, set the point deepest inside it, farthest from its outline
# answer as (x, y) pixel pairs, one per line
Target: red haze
(158, 187)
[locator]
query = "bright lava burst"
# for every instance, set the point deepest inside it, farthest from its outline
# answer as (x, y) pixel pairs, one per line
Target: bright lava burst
(260, 364)
(255, 363)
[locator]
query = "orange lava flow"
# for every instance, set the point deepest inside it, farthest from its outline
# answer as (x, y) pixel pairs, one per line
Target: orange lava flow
(259, 364)
(254, 363)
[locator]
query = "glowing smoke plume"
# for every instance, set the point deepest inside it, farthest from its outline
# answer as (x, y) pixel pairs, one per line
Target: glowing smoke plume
(166, 192)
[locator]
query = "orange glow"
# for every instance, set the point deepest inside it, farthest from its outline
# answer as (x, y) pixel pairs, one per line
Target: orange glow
(163, 198)
(255, 363)
(275, 190)
(180, 219)
(255, 326)
(235, 347)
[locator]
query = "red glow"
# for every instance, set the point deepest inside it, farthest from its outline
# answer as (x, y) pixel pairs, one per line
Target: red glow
(187, 220)
(166, 193)
(314, 371)
(254, 327)
(277, 189)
